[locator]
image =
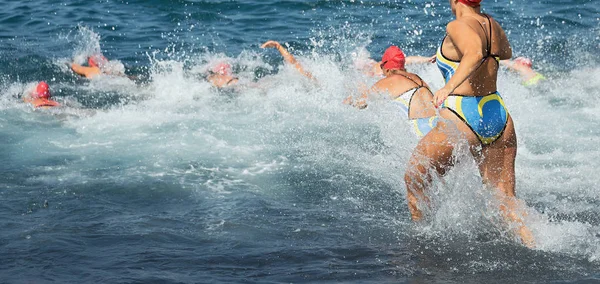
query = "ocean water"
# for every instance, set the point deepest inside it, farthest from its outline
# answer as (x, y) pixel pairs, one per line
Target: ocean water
(165, 179)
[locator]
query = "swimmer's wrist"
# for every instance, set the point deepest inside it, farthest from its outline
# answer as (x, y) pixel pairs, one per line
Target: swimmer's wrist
(449, 88)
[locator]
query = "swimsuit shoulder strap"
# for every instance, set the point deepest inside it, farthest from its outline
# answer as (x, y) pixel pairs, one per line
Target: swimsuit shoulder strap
(409, 78)
(422, 82)
(488, 39)
(422, 85)
(419, 86)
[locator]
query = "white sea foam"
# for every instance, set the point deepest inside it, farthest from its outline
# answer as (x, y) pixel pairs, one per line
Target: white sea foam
(180, 128)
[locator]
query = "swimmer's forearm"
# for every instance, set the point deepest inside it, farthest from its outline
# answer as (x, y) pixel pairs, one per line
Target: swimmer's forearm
(418, 60)
(303, 72)
(508, 64)
(287, 56)
(78, 69)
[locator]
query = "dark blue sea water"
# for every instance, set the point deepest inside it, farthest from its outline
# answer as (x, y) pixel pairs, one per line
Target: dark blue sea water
(165, 179)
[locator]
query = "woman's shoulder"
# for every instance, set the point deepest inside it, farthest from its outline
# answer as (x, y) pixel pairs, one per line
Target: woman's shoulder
(458, 25)
(399, 81)
(464, 26)
(455, 23)
(469, 21)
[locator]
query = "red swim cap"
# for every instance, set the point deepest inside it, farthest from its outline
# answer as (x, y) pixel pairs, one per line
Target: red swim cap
(42, 90)
(222, 68)
(524, 61)
(472, 3)
(393, 58)
(97, 60)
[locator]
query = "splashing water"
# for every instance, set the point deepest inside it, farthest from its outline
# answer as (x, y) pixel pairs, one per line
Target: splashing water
(277, 180)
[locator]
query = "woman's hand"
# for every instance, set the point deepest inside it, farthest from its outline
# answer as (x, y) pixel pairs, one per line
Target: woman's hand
(432, 59)
(440, 96)
(360, 103)
(348, 101)
(270, 44)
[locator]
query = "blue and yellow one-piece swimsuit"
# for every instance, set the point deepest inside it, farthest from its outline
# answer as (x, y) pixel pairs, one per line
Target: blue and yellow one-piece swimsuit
(485, 115)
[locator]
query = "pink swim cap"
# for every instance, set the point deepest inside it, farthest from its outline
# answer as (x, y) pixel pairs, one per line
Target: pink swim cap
(222, 68)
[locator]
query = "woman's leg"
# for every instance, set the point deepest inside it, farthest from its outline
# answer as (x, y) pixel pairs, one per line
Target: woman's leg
(497, 166)
(433, 155)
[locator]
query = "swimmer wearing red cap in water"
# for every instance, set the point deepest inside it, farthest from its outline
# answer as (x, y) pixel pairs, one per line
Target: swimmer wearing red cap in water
(523, 66)
(40, 97)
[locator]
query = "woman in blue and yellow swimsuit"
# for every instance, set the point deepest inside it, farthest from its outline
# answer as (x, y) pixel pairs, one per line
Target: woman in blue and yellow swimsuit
(471, 108)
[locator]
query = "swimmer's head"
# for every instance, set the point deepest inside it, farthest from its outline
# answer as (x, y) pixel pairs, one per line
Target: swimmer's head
(42, 91)
(97, 60)
(222, 68)
(524, 61)
(393, 59)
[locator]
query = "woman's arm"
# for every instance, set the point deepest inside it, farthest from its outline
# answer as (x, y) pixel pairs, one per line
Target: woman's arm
(507, 63)
(289, 58)
(382, 86)
(420, 59)
(87, 72)
(505, 51)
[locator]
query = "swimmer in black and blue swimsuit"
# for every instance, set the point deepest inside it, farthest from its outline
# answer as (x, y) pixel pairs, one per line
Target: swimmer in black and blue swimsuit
(485, 115)
(472, 110)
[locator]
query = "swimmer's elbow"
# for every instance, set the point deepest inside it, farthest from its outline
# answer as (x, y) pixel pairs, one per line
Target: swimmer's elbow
(505, 52)
(472, 57)
(509, 52)
(506, 55)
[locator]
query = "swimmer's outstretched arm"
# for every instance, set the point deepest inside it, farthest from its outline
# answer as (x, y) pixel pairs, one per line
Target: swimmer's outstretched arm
(87, 72)
(420, 59)
(528, 75)
(287, 57)
(509, 64)
(361, 102)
